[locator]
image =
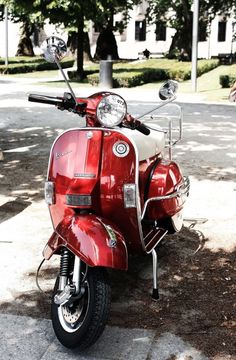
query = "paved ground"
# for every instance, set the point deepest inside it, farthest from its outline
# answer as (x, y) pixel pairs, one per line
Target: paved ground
(27, 338)
(174, 331)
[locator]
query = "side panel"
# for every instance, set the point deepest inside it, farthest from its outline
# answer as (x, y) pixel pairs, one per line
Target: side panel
(75, 169)
(116, 171)
(84, 162)
(87, 236)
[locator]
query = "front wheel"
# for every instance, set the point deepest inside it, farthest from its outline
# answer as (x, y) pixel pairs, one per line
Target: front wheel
(79, 324)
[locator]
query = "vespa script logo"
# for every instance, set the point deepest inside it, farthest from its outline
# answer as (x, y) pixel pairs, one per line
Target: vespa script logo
(59, 155)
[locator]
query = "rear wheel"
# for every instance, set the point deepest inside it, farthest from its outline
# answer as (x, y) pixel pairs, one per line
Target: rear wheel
(174, 223)
(80, 323)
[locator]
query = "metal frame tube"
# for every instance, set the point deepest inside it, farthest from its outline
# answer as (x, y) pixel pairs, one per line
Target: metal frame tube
(6, 35)
(65, 78)
(195, 45)
(155, 292)
(76, 274)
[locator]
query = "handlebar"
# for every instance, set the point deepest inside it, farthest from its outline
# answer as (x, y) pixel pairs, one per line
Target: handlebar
(67, 102)
(143, 129)
(44, 99)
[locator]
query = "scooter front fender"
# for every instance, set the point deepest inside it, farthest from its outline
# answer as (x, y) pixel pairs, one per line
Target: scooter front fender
(96, 241)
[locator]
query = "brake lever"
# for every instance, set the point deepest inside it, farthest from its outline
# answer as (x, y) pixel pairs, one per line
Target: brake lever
(71, 105)
(134, 124)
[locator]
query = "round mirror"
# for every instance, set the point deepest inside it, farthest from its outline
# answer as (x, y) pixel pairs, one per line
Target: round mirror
(54, 49)
(168, 90)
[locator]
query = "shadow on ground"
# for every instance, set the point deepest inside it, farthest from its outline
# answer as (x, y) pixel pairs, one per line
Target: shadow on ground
(197, 289)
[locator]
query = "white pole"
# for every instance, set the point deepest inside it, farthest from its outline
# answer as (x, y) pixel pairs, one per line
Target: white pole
(6, 36)
(195, 45)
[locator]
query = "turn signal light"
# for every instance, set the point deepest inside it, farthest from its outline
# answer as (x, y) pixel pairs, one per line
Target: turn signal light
(49, 192)
(130, 195)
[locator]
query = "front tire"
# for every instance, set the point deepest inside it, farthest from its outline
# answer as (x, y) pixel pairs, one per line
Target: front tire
(79, 324)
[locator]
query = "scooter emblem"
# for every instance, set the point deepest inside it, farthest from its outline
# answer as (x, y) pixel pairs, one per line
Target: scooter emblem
(59, 155)
(112, 242)
(120, 149)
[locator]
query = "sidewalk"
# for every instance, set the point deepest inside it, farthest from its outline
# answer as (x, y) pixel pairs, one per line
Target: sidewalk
(193, 277)
(25, 338)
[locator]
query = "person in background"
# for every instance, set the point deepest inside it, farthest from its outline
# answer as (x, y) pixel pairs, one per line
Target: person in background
(146, 53)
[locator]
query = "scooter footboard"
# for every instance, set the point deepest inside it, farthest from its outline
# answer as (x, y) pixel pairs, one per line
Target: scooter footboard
(96, 241)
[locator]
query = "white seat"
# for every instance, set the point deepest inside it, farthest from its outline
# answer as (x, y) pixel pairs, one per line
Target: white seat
(147, 145)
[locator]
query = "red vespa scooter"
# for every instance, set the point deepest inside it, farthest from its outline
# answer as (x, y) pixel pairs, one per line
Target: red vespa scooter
(110, 193)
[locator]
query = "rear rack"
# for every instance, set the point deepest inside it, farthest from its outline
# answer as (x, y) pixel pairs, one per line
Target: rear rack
(169, 129)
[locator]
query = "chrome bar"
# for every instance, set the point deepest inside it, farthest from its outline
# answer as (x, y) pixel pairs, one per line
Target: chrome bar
(62, 283)
(170, 139)
(180, 126)
(155, 292)
(182, 190)
(169, 130)
(65, 78)
(76, 274)
(164, 103)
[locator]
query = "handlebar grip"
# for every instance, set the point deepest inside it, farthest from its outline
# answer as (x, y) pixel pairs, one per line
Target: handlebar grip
(44, 99)
(143, 129)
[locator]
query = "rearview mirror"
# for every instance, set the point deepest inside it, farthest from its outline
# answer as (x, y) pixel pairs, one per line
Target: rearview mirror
(54, 49)
(168, 90)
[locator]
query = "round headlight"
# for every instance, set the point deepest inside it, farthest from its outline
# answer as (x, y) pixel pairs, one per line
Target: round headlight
(111, 110)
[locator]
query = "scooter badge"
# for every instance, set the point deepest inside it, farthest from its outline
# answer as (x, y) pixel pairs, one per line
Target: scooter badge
(120, 149)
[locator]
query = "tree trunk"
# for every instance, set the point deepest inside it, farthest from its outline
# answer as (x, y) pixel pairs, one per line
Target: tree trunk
(181, 45)
(73, 42)
(106, 46)
(87, 49)
(25, 47)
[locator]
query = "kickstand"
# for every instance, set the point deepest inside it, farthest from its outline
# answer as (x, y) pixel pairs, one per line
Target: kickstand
(155, 291)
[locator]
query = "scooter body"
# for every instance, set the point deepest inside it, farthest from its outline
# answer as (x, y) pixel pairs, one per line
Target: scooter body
(111, 193)
(109, 174)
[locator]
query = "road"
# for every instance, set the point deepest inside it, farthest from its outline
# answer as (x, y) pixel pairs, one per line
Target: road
(195, 271)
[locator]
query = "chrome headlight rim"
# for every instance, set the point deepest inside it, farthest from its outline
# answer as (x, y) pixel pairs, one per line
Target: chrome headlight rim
(113, 106)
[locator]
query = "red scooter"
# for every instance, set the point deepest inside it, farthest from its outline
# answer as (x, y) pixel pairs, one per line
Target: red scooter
(110, 193)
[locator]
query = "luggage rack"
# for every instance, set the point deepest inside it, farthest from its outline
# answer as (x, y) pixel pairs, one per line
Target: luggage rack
(169, 130)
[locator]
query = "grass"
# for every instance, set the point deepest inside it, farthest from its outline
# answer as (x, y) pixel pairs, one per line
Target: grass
(21, 59)
(36, 74)
(208, 85)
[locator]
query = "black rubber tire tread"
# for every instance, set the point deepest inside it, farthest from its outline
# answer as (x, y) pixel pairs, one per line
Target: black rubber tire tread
(96, 317)
(167, 224)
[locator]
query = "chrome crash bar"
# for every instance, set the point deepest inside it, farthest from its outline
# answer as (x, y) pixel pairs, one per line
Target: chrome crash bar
(182, 190)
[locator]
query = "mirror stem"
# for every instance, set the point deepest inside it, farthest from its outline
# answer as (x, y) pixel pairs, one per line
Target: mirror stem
(158, 107)
(64, 76)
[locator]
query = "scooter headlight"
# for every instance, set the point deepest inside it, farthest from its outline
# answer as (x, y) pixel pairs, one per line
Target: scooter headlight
(111, 110)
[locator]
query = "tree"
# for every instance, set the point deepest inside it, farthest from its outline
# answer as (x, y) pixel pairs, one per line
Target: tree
(178, 16)
(104, 22)
(74, 15)
(25, 13)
